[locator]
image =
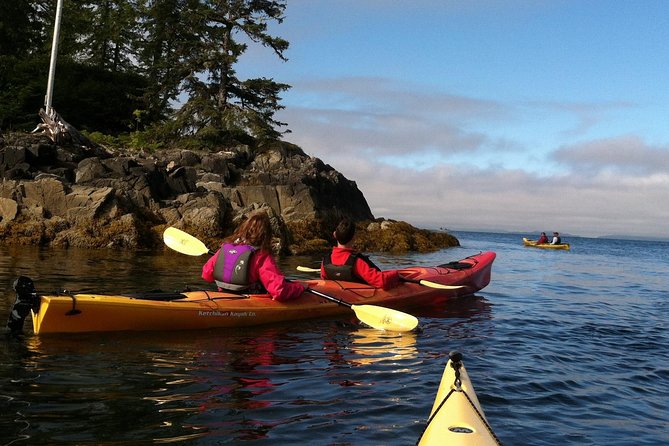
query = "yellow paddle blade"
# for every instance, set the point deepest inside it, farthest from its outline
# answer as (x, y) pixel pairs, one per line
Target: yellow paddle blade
(385, 318)
(183, 242)
(427, 283)
(306, 269)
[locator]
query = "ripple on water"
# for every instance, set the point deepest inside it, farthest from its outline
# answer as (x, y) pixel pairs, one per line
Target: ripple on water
(562, 348)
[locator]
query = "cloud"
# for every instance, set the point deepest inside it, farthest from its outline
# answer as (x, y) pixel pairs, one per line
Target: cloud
(627, 153)
(435, 160)
(471, 198)
(380, 117)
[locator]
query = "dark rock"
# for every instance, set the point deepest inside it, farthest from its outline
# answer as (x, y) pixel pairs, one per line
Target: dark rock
(19, 171)
(73, 195)
(89, 169)
(43, 154)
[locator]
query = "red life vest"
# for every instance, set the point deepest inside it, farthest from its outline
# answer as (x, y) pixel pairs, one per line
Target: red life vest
(346, 271)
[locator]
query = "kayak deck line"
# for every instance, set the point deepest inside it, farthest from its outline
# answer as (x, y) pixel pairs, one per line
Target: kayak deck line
(457, 418)
(156, 296)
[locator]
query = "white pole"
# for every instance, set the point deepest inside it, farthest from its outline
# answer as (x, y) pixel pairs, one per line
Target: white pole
(54, 52)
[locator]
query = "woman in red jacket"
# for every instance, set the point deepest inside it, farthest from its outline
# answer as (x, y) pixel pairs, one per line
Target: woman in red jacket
(244, 262)
(344, 263)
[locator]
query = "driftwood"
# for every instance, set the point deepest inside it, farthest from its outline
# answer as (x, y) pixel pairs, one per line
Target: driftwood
(59, 131)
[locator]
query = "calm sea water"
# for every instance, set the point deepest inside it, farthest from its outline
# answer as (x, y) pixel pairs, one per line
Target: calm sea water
(562, 348)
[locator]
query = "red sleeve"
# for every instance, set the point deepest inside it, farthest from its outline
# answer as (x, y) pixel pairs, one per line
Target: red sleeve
(376, 278)
(274, 282)
(208, 268)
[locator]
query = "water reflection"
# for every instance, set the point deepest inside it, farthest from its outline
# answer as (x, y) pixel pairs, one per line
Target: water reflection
(369, 346)
(467, 307)
(102, 271)
(330, 381)
(223, 379)
(240, 385)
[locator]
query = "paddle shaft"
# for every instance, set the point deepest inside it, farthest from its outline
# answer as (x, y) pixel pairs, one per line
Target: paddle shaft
(331, 298)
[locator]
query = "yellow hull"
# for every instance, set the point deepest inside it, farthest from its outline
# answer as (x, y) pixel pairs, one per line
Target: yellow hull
(457, 418)
(534, 244)
(198, 310)
(195, 310)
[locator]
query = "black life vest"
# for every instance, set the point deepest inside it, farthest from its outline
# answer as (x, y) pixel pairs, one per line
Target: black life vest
(346, 271)
(231, 271)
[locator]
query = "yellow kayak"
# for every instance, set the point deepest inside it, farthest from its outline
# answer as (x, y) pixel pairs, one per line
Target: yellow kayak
(534, 244)
(457, 418)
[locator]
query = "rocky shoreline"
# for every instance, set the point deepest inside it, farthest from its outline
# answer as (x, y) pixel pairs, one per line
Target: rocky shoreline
(93, 197)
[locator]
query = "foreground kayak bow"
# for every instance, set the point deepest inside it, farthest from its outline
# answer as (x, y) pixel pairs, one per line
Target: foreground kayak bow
(457, 418)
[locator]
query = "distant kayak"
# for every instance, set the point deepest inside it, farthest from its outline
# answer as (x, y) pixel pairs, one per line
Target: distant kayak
(534, 244)
(457, 418)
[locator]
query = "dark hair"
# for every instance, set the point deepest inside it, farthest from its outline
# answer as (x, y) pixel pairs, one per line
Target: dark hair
(345, 231)
(256, 231)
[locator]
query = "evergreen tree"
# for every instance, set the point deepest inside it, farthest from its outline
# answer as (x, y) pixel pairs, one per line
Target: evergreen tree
(20, 27)
(203, 49)
(96, 81)
(109, 36)
(112, 53)
(22, 30)
(158, 52)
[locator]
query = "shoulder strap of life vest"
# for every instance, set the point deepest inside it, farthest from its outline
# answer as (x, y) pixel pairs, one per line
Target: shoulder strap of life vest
(368, 261)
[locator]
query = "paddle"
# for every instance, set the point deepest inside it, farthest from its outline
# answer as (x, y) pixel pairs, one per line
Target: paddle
(184, 243)
(376, 317)
(426, 283)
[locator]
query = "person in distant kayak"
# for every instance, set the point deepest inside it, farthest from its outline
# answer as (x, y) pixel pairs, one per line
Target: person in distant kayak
(244, 262)
(345, 263)
(542, 238)
(556, 239)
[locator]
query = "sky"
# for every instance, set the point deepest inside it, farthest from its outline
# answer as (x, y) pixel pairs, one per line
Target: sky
(495, 115)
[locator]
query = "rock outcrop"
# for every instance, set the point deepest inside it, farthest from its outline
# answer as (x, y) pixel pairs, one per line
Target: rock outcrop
(91, 197)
